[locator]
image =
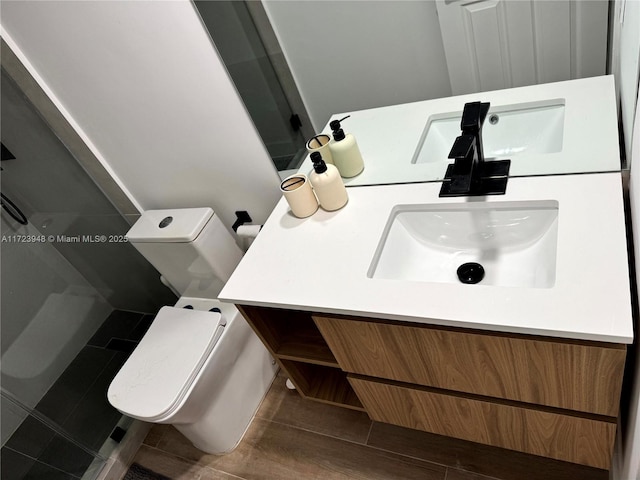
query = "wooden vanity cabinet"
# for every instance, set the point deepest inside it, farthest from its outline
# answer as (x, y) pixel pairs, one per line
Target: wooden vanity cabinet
(539, 395)
(521, 427)
(581, 376)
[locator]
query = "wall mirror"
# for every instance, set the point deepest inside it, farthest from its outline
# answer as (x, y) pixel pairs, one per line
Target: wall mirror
(395, 66)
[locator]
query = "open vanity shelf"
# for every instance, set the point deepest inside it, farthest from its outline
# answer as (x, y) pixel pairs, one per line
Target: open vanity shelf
(293, 339)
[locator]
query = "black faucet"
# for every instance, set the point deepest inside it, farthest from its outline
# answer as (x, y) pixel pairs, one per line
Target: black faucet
(470, 174)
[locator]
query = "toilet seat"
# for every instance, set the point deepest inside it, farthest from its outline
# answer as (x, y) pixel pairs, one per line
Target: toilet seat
(155, 379)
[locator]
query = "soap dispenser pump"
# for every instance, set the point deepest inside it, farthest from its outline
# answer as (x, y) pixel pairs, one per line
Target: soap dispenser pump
(327, 184)
(344, 150)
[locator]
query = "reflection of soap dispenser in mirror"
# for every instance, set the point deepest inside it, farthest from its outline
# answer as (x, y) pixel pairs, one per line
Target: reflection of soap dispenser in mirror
(345, 152)
(327, 184)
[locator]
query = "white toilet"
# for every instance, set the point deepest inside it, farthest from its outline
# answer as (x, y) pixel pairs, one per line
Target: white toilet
(199, 367)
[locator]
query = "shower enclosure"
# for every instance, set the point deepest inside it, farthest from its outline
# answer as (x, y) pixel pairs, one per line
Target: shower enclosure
(75, 300)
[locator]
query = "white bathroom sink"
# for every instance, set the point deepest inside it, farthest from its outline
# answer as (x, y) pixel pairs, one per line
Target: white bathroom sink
(514, 242)
(508, 131)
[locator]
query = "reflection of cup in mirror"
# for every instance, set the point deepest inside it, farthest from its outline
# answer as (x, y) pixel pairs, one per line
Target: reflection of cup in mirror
(297, 190)
(320, 143)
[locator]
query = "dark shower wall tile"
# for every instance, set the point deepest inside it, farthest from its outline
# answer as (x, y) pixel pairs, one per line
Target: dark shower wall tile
(66, 456)
(119, 324)
(14, 465)
(141, 328)
(31, 438)
(40, 471)
(65, 395)
(120, 345)
(94, 418)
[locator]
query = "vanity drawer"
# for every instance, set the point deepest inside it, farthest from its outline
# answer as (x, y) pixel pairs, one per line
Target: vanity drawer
(577, 376)
(570, 438)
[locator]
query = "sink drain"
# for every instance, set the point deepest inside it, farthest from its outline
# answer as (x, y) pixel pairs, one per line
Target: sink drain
(470, 273)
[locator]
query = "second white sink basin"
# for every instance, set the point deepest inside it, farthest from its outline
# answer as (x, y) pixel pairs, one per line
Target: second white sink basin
(508, 131)
(515, 243)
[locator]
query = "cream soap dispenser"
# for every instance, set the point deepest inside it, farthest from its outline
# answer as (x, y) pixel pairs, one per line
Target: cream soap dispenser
(345, 152)
(327, 184)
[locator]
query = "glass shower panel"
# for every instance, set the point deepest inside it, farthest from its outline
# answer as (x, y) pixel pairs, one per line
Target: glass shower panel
(49, 312)
(76, 299)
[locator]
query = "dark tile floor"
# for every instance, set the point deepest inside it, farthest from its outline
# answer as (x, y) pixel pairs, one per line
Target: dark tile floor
(292, 439)
(77, 405)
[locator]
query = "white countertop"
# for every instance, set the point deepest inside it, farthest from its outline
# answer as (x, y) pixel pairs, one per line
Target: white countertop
(389, 136)
(320, 263)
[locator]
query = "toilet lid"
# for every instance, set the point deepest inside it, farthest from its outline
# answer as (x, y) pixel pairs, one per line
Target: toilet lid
(159, 372)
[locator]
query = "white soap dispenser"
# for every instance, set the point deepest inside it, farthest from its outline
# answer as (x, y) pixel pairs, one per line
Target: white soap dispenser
(327, 184)
(345, 152)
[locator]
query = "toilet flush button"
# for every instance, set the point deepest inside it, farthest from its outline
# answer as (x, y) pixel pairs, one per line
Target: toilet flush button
(166, 221)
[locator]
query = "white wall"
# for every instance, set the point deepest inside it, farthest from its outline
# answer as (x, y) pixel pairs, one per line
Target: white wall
(628, 23)
(353, 55)
(630, 448)
(147, 88)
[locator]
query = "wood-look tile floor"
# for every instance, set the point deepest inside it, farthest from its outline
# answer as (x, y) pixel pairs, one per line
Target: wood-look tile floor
(295, 439)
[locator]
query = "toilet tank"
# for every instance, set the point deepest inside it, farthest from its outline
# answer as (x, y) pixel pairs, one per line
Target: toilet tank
(190, 247)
